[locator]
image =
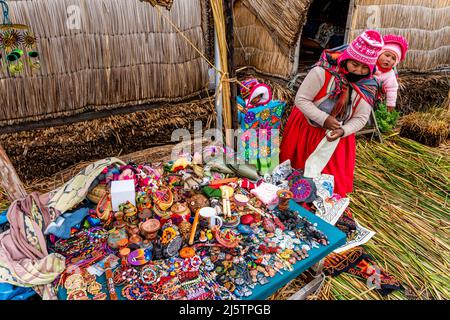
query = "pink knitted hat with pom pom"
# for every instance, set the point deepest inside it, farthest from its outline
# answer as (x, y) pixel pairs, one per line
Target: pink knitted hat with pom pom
(365, 49)
(396, 44)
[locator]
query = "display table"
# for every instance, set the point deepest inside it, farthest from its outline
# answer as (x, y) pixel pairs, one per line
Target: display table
(336, 239)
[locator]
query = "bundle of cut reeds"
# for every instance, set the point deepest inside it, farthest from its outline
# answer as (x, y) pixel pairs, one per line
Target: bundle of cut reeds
(430, 128)
(224, 88)
(4, 202)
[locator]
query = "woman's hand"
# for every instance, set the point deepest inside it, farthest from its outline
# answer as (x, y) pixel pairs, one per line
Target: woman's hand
(333, 135)
(331, 123)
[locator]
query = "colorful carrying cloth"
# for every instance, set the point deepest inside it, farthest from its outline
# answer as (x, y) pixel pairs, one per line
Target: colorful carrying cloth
(24, 259)
(76, 189)
(367, 87)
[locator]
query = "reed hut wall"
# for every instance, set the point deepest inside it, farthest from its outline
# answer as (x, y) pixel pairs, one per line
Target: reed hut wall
(424, 23)
(266, 34)
(123, 53)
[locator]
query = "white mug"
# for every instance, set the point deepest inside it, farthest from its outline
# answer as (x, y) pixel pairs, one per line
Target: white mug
(210, 214)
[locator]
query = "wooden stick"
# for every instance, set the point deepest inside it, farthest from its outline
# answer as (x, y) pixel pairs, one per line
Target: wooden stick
(229, 23)
(10, 181)
(194, 227)
(110, 281)
(224, 204)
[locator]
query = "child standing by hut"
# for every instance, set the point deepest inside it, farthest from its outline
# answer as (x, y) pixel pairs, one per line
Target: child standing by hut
(393, 52)
(337, 95)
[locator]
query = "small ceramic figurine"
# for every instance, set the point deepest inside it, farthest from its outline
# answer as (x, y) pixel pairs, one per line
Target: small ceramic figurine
(145, 214)
(268, 225)
(185, 230)
(132, 229)
(202, 237)
(283, 197)
(130, 213)
(115, 236)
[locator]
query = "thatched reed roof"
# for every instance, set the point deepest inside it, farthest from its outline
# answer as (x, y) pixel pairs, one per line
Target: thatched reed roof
(425, 23)
(283, 18)
(125, 53)
(266, 33)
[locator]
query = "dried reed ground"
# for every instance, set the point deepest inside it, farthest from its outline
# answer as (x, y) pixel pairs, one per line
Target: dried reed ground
(401, 192)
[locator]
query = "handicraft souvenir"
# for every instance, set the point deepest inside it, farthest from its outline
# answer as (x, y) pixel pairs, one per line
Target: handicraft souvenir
(185, 229)
(181, 209)
(145, 214)
(143, 201)
(97, 193)
(227, 238)
(227, 193)
(170, 240)
(139, 257)
(284, 196)
(160, 214)
(115, 236)
(197, 201)
(241, 201)
(17, 45)
(149, 229)
(303, 189)
(163, 198)
(248, 219)
(209, 217)
(110, 281)
(104, 210)
(129, 213)
(135, 241)
(231, 221)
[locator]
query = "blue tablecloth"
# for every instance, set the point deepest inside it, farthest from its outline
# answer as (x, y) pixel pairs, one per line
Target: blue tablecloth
(261, 292)
(336, 238)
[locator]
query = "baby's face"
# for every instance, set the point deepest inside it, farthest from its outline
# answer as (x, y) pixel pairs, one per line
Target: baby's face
(387, 60)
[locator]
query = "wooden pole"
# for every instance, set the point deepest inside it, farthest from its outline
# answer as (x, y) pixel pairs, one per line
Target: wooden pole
(9, 179)
(350, 18)
(229, 23)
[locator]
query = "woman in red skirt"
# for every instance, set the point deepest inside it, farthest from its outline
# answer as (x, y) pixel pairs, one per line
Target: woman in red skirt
(335, 97)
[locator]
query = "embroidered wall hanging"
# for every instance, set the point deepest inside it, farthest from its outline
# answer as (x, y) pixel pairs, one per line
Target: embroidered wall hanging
(17, 46)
